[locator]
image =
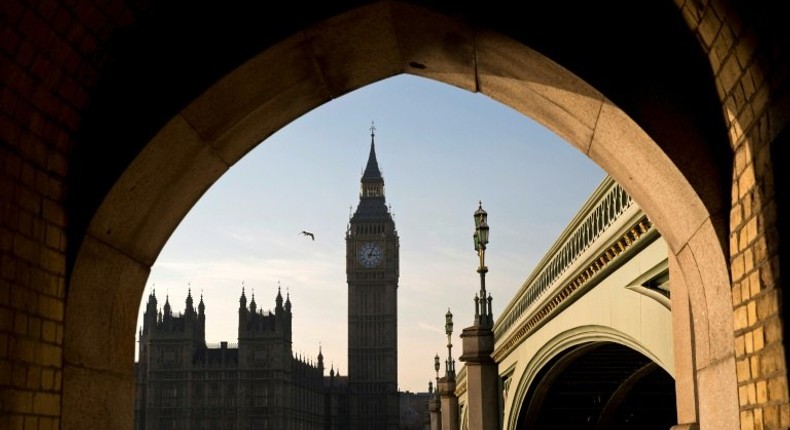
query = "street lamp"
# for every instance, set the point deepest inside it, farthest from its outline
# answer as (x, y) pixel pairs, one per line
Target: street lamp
(437, 365)
(481, 235)
(448, 328)
(483, 315)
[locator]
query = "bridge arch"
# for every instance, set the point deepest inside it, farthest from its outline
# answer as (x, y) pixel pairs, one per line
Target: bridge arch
(342, 53)
(521, 380)
(592, 383)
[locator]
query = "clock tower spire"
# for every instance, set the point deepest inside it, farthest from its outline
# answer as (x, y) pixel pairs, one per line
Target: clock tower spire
(371, 191)
(372, 275)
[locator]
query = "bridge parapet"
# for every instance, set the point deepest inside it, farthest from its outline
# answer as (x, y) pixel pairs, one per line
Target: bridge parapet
(608, 226)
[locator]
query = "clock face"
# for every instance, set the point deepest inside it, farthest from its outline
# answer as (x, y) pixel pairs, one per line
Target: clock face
(370, 254)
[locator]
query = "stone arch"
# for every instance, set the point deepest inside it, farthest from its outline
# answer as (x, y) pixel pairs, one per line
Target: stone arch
(742, 40)
(213, 131)
(557, 384)
(558, 345)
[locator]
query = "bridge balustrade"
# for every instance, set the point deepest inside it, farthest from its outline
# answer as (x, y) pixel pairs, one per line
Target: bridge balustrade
(609, 203)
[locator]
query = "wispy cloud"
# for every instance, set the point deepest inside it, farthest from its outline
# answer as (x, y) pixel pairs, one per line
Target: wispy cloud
(431, 328)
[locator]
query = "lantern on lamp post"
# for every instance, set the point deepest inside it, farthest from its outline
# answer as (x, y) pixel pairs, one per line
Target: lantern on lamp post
(481, 235)
(448, 329)
(483, 315)
(437, 366)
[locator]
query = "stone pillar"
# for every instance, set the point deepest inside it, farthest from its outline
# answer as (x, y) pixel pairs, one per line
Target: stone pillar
(435, 411)
(449, 406)
(683, 348)
(481, 377)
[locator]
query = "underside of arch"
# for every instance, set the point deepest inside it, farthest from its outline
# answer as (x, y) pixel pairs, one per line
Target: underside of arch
(179, 110)
(599, 385)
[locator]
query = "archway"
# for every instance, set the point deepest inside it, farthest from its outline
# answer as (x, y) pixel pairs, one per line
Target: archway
(600, 385)
(675, 175)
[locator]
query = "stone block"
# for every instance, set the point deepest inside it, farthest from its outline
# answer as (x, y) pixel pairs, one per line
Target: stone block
(87, 405)
(747, 420)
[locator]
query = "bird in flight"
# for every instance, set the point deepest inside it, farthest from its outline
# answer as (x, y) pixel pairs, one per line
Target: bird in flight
(307, 233)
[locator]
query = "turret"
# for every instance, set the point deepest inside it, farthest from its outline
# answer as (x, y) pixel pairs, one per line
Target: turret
(320, 360)
(167, 312)
(242, 300)
(190, 310)
(186, 329)
(152, 305)
(284, 316)
(278, 301)
(255, 323)
(242, 312)
(202, 319)
(149, 318)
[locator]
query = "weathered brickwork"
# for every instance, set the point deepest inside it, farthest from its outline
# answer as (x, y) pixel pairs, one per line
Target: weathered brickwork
(743, 88)
(48, 61)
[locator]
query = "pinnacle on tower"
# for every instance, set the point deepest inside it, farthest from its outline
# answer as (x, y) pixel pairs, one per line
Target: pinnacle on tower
(371, 191)
(167, 305)
(152, 301)
(372, 172)
(189, 307)
(279, 300)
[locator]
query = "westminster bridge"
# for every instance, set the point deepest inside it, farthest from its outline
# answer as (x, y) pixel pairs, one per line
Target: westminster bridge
(587, 341)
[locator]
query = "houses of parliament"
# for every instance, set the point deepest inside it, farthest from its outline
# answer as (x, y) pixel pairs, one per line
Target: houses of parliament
(258, 383)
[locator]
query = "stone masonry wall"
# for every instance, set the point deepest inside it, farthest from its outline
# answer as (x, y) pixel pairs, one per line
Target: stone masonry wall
(744, 75)
(50, 55)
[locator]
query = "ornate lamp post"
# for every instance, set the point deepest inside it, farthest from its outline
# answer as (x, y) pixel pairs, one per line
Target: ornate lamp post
(435, 402)
(478, 344)
(448, 329)
(447, 397)
(436, 366)
(483, 315)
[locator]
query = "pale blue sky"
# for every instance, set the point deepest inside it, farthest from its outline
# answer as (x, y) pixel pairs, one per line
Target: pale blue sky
(440, 150)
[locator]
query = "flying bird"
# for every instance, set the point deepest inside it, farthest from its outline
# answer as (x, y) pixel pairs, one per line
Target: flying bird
(307, 233)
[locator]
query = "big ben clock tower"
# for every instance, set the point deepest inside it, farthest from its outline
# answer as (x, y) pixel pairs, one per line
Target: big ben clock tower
(372, 275)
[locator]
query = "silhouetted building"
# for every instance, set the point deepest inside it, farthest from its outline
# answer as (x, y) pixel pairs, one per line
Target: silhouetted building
(372, 276)
(414, 411)
(183, 383)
